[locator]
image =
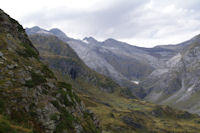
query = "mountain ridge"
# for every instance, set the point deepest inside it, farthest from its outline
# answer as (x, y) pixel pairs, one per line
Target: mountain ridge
(118, 114)
(124, 63)
(179, 80)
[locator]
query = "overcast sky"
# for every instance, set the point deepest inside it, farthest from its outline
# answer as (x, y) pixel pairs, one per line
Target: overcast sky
(138, 22)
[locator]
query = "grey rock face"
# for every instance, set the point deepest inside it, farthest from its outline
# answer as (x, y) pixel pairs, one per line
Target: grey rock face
(1, 54)
(59, 33)
(120, 61)
(37, 29)
(178, 82)
(12, 66)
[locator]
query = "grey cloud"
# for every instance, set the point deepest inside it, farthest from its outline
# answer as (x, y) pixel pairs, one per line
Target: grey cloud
(124, 19)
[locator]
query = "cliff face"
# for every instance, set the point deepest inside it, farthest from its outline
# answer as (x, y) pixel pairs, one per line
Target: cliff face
(178, 83)
(103, 57)
(30, 95)
(61, 57)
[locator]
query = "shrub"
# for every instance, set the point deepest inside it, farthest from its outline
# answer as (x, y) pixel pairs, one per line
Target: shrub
(65, 122)
(69, 91)
(2, 106)
(47, 72)
(64, 98)
(54, 116)
(29, 51)
(37, 79)
(5, 128)
(64, 85)
(89, 127)
(55, 104)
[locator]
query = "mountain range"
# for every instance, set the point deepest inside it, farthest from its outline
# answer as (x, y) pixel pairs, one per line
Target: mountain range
(161, 74)
(107, 57)
(51, 83)
(177, 84)
(126, 64)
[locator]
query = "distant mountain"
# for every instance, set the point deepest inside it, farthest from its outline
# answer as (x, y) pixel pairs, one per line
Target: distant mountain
(38, 30)
(90, 55)
(62, 58)
(126, 64)
(178, 83)
(117, 113)
(59, 33)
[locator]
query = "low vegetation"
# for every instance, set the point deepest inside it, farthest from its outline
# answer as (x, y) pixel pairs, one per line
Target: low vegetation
(36, 79)
(7, 126)
(28, 51)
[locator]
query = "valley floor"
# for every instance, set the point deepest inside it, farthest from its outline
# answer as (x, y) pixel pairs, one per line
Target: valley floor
(118, 114)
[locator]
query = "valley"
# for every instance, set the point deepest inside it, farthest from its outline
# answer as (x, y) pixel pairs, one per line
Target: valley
(116, 109)
(53, 83)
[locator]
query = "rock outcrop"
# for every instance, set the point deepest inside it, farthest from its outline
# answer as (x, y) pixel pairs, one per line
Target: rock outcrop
(177, 84)
(29, 92)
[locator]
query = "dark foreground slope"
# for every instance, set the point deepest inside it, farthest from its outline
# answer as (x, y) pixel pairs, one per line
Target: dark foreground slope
(117, 113)
(31, 98)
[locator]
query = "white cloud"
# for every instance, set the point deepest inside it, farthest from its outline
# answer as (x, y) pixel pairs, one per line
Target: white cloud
(139, 22)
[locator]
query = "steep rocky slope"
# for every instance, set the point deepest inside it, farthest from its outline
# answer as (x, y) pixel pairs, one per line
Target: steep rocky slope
(178, 83)
(117, 114)
(62, 58)
(31, 98)
(124, 63)
(83, 48)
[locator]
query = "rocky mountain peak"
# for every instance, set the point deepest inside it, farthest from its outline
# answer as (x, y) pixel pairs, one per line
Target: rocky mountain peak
(110, 40)
(114, 43)
(37, 29)
(34, 29)
(90, 40)
(58, 32)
